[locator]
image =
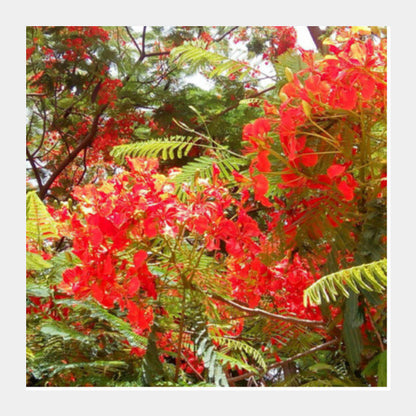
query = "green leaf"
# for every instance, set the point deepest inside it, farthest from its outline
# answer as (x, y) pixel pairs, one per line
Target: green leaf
(97, 311)
(233, 361)
(36, 262)
(241, 346)
(202, 167)
(195, 55)
(321, 367)
(351, 331)
(168, 148)
(55, 328)
(152, 367)
(39, 223)
(101, 366)
(365, 277)
(37, 289)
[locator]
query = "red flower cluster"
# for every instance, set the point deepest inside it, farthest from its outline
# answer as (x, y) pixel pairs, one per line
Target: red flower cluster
(129, 208)
(350, 80)
(284, 39)
(108, 91)
(117, 227)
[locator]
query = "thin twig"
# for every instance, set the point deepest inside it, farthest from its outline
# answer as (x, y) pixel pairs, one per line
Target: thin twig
(225, 34)
(34, 167)
(181, 331)
(84, 161)
(257, 311)
(133, 40)
(282, 363)
(36, 94)
(192, 368)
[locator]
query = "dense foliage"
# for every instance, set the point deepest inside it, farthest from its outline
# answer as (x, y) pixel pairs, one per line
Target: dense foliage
(228, 236)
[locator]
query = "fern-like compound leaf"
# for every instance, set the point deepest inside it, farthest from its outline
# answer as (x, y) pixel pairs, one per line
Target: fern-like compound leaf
(97, 311)
(195, 55)
(371, 277)
(36, 262)
(39, 223)
(169, 148)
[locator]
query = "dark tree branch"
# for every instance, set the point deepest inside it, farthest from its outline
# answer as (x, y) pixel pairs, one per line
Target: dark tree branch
(315, 33)
(147, 55)
(89, 138)
(226, 33)
(31, 156)
(36, 94)
(142, 50)
(144, 41)
(34, 168)
(133, 40)
(84, 161)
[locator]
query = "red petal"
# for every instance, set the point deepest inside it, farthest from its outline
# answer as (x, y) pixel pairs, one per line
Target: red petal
(310, 159)
(96, 237)
(335, 170)
(346, 190)
(215, 172)
(97, 292)
(133, 286)
(136, 315)
(261, 126)
(108, 265)
(263, 164)
(139, 258)
(150, 227)
(261, 186)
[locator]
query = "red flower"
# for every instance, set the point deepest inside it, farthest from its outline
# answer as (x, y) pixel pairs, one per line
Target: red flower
(256, 133)
(346, 190)
(29, 52)
(261, 186)
(335, 170)
(308, 157)
(261, 161)
(139, 258)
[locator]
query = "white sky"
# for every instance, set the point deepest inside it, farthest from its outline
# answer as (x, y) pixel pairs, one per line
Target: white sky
(304, 40)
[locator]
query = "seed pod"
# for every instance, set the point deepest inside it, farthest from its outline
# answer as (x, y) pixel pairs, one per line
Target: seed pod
(289, 74)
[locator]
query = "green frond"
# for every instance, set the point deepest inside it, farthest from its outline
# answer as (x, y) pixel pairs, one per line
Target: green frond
(241, 346)
(300, 343)
(202, 168)
(287, 60)
(207, 352)
(378, 367)
(97, 311)
(55, 328)
(235, 362)
(39, 290)
(152, 369)
(168, 148)
(36, 262)
(371, 277)
(353, 319)
(39, 223)
(65, 260)
(195, 55)
(98, 367)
